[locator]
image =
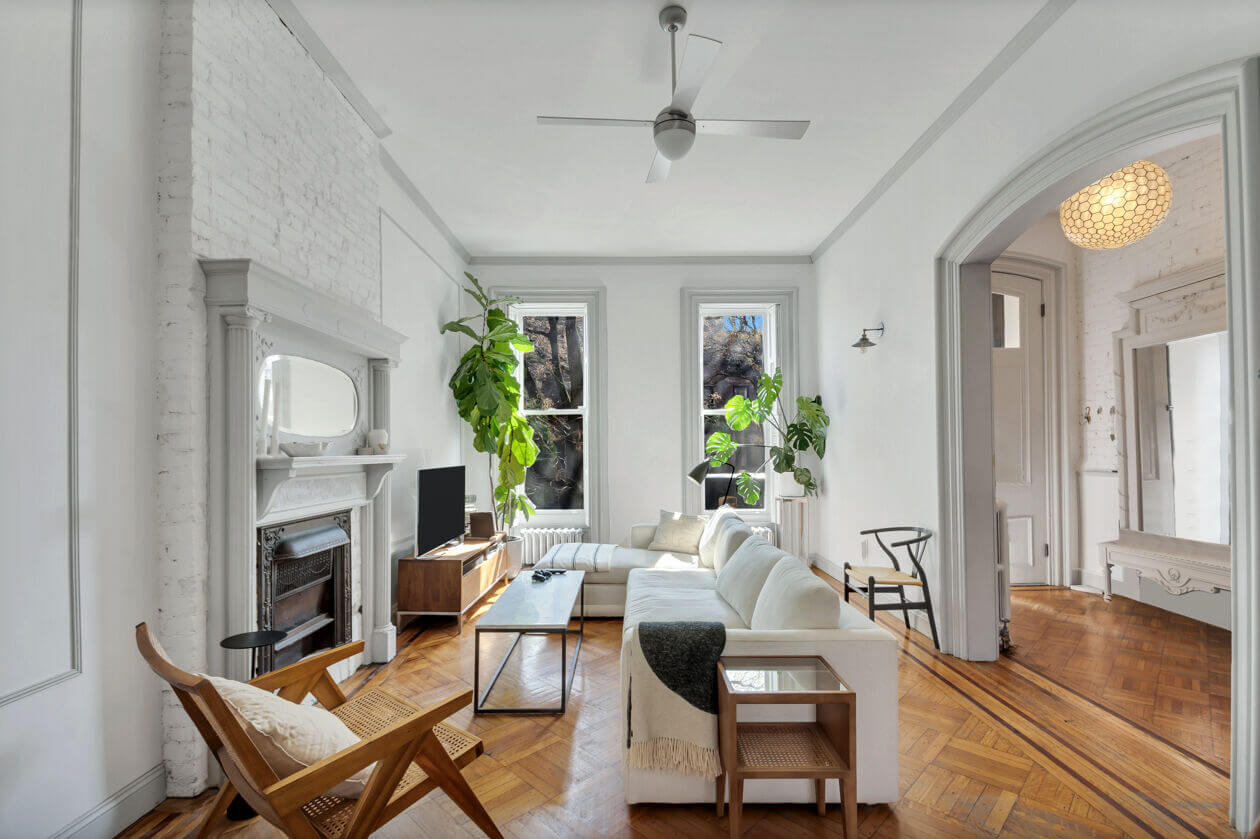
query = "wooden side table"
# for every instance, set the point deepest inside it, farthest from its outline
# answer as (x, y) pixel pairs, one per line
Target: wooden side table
(822, 749)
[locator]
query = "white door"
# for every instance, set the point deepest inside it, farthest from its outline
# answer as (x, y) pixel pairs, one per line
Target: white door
(1019, 423)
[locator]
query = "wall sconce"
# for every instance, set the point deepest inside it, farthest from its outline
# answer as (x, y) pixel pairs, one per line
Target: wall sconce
(864, 343)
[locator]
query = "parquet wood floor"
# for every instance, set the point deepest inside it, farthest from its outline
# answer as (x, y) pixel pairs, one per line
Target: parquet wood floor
(1014, 748)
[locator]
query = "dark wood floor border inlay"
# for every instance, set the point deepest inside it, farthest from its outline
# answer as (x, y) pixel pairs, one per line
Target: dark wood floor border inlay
(1051, 756)
(1112, 713)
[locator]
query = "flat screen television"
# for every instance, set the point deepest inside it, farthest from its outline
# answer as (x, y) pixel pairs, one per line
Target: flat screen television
(439, 507)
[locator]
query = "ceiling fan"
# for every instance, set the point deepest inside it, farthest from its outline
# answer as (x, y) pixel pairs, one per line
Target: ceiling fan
(674, 128)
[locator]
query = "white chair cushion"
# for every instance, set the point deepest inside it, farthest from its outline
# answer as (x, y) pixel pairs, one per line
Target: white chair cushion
(290, 736)
(731, 533)
(678, 533)
(741, 578)
(708, 538)
(793, 598)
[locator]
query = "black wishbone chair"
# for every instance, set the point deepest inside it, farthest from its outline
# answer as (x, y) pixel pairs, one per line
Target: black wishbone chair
(869, 580)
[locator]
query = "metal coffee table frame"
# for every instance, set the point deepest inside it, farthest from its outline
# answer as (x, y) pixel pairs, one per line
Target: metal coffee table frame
(567, 670)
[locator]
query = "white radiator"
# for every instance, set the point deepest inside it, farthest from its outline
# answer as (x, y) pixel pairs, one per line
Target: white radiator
(765, 531)
(539, 540)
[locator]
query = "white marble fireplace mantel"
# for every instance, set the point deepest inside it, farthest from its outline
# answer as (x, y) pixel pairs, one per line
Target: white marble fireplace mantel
(296, 480)
(252, 312)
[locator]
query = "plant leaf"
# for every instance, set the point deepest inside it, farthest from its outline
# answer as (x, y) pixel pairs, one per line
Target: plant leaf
(806, 479)
(456, 326)
(748, 489)
(719, 447)
(768, 389)
(782, 458)
(739, 412)
(799, 435)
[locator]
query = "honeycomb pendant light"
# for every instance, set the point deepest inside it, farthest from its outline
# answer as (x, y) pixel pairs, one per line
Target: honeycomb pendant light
(1119, 209)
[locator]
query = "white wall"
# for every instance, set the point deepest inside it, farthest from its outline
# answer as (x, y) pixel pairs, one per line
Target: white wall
(419, 272)
(644, 366)
(882, 464)
(85, 755)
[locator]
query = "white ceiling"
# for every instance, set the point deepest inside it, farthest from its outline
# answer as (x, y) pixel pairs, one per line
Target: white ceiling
(460, 82)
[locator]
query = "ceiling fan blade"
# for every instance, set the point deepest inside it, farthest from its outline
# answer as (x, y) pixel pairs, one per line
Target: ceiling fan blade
(779, 129)
(614, 123)
(659, 170)
(697, 60)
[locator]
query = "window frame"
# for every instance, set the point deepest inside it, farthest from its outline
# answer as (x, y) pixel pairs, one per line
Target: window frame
(595, 443)
(578, 516)
(780, 347)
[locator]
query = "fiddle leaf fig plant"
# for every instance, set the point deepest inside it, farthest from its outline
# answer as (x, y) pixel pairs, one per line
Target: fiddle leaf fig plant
(488, 398)
(804, 431)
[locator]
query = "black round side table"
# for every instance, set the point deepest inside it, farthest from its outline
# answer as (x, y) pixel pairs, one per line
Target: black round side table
(253, 641)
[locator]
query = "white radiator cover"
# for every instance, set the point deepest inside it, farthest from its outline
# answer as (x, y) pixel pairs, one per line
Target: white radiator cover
(539, 540)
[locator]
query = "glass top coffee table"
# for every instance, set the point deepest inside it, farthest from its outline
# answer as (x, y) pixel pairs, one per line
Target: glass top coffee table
(527, 607)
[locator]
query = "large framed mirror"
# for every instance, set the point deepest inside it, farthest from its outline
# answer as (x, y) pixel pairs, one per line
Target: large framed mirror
(304, 398)
(1173, 437)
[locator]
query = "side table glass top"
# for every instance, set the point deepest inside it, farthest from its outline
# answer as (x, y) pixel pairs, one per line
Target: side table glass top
(806, 674)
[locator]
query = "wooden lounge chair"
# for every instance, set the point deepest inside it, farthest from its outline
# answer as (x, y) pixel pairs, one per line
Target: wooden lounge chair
(413, 749)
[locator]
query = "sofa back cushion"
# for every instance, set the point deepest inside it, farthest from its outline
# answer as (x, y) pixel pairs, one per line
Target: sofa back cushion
(678, 533)
(741, 578)
(708, 537)
(730, 535)
(793, 598)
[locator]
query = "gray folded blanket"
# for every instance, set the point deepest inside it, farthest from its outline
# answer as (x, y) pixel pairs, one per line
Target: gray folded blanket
(671, 701)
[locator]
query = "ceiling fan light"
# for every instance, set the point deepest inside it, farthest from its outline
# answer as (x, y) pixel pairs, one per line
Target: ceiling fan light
(674, 137)
(1119, 209)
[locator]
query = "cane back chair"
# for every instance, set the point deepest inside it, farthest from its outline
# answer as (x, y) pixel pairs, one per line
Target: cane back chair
(413, 749)
(870, 580)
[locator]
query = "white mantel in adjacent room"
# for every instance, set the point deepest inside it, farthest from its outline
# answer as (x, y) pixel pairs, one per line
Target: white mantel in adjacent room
(253, 312)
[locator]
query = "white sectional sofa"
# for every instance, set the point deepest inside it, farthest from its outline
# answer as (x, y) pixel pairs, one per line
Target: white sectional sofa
(645, 585)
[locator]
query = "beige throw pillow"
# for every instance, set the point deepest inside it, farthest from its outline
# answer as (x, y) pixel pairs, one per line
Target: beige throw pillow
(291, 736)
(678, 533)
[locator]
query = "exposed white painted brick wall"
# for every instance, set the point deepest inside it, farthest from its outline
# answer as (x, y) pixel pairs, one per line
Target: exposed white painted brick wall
(1193, 234)
(262, 158)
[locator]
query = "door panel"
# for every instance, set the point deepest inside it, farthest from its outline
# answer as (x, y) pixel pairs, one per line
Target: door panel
(1019, 422)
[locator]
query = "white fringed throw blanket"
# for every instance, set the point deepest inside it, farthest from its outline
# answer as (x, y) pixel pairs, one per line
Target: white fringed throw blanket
(671, 702)
(578, 556)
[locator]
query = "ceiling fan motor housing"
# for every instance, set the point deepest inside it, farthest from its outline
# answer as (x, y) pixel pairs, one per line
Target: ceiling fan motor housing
(674, 133)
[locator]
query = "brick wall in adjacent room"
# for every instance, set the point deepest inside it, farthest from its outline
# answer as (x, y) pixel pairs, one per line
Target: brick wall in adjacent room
(1192, 234)
(261, 157)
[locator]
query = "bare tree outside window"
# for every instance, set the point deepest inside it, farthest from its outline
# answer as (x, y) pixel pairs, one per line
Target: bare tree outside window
(554, 399)
(732, 360)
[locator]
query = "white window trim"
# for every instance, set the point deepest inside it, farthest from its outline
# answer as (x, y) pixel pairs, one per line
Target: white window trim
(784, 351)
(590, 302)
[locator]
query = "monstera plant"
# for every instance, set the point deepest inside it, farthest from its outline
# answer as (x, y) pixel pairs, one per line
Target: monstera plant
(804, 431)
(488, 397)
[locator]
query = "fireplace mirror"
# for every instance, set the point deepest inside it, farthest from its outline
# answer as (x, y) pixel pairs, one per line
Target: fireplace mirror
(307, 398)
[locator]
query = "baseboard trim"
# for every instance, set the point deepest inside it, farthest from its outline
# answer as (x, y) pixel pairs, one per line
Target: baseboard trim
(108, 818)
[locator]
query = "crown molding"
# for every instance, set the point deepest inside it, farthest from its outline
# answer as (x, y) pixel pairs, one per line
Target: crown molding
(1009, 54)
(318, 50)
(405, 183)
(755, 259)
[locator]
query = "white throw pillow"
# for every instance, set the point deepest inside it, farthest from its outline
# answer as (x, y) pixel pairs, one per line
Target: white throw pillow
(678, 533)
(731, 534)
(740, 580)
(291, 736)
(793, 598)
(708, 538)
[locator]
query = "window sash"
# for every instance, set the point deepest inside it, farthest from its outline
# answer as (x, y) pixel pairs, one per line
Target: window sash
(769, 344)
(518, 312)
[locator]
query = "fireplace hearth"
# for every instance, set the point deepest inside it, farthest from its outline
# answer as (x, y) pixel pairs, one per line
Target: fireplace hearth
(305, 586)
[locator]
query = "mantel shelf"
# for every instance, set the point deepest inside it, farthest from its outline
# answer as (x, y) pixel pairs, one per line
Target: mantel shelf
(274, 471)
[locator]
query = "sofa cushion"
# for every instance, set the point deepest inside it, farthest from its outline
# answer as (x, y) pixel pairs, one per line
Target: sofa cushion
(794, 598)
(625, 560)
(290, 736)
(731, 534)
(678, 532)
(741, 578)
(708, 537)
(676, 596)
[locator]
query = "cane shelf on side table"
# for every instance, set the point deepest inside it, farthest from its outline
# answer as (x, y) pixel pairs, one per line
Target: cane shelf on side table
(825, 748)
